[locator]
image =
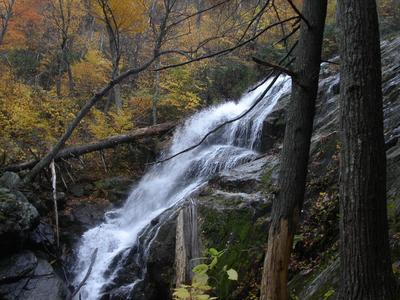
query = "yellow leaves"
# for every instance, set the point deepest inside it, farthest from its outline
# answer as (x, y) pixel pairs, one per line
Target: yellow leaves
(181, 90)
(99, 127)
(91, 72)
(30, 119)
(122, 120)
(118, 122)
(123, 15)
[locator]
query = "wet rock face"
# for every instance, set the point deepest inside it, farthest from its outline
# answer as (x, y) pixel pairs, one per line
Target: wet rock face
(245, 178)
(17, 266)
(17, 218)
(23, 276)
(42, 237)
(227, 219)
(81, 216)
(160, 263)
(150, 262)
(274, 126)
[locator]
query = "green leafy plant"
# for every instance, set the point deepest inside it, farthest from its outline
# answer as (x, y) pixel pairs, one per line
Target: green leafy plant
(200, 288)
(329, 294)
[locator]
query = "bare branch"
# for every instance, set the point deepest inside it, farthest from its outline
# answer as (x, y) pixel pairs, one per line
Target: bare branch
(285, 38)
(92, 261)
(222, 124)
(197, 13)
(274, 66)
(5, 17)
(257, 16)
(299, 13)
(228, 50)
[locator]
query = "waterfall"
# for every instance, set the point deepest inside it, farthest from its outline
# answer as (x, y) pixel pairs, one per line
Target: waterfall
(167, 184)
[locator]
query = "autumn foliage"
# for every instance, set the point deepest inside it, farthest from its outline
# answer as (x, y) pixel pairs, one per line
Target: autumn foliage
(55, 54)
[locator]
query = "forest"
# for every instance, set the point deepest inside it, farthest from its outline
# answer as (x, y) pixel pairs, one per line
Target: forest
(199, 149)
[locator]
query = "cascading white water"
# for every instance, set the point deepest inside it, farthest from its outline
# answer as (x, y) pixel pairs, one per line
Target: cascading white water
(171, 182)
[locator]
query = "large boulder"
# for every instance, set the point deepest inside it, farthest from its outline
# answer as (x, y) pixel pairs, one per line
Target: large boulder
(17, 218)
(246, 178)
(10, 180)
(116, 189)
(44, 284)
(24, 276)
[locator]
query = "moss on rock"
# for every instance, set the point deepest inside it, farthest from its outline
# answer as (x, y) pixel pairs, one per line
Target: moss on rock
(242, 233)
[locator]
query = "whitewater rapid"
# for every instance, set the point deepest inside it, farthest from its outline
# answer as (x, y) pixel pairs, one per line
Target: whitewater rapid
(167, 184)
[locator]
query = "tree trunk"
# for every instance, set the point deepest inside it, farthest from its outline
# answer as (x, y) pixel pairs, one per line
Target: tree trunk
(6, 16)
(111, 142)
(58, 78)
(115, 94)
(67, 66)
(295, 153)
(365, 255)
(156, 95)
(199, 7)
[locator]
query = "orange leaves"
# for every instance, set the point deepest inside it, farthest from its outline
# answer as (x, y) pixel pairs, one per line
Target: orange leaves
(26, 24)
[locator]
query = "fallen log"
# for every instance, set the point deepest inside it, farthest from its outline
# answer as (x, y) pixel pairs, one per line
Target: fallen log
(111, 142)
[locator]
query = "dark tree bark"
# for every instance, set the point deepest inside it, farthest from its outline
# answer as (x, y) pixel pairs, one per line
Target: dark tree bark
(295, 153)
(365, 255)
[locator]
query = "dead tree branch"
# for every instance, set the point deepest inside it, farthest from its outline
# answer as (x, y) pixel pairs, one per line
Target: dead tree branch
(275, 67)
(298, 12)
(111, 142)
(222, 124)
(82, 283)
(228, 50)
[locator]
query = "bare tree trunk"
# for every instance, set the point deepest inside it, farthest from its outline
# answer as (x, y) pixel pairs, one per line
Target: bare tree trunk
(187, 247)
(54, 185)
(156, 96)
(58, 78)
(199, 7)
(6, 15)
(71, 84)
(115, 93)
(295, 153)
(366, 272)
(67, 66)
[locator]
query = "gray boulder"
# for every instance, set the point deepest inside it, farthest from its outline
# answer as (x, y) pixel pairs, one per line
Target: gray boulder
(23, 276)
(17, 218)
(10, 180)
